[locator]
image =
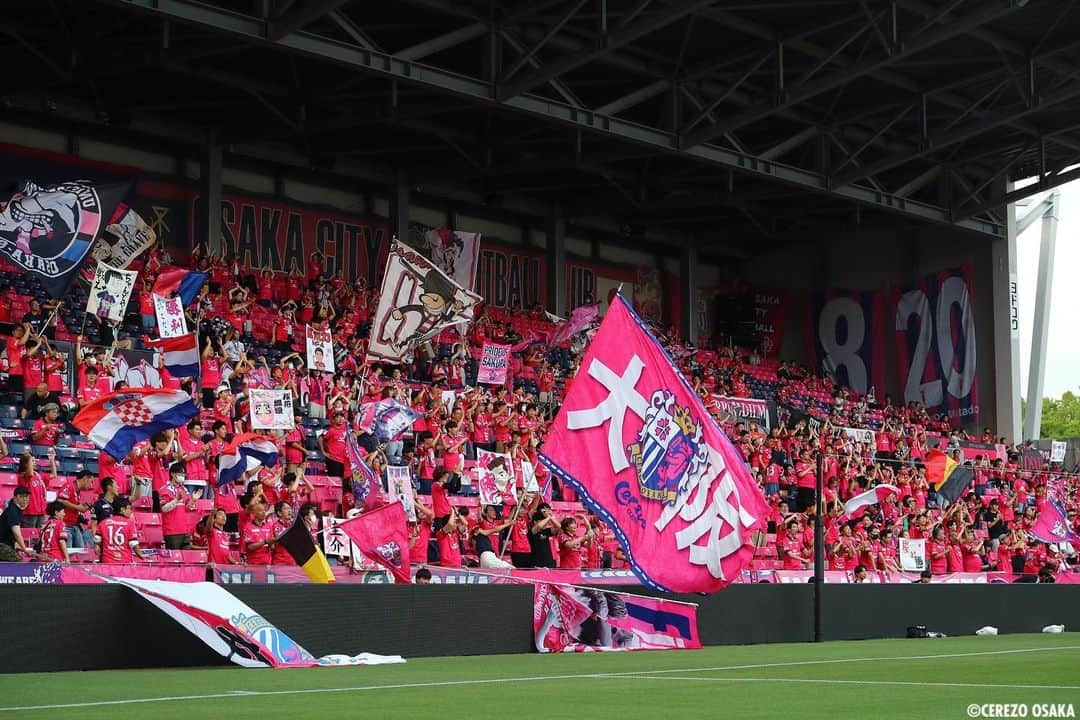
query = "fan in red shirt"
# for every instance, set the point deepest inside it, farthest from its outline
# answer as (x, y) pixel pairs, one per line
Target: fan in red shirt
(282, 521)
(449, 539)
(258, 538)
(53, 537)
(420, 534)
(332, 445)
(572, 548)
(218, 551)
(118, 536)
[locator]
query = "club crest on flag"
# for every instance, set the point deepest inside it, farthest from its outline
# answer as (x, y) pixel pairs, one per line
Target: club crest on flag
(668, 447)
(280, 645)
(390, 552)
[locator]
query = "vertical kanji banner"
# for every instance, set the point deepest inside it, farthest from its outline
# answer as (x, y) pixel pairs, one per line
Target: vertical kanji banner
(846, 337)
(934, 321)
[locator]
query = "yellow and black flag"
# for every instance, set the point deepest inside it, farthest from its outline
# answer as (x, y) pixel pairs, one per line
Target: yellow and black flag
(948, 477)
(298, 542)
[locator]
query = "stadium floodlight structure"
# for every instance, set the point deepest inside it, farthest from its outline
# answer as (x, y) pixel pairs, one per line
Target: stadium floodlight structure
(1046, 210)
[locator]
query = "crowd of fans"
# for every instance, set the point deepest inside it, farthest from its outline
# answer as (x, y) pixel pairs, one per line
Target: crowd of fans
(252, 330)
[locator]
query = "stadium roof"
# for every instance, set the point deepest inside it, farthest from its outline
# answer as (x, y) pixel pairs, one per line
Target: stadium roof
(774, 116)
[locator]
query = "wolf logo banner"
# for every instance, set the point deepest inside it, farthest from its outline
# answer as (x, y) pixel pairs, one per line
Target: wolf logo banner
(642, 451)
(47, 230)
(416, 302)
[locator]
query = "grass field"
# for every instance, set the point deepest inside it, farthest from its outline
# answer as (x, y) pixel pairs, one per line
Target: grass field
(932, 678)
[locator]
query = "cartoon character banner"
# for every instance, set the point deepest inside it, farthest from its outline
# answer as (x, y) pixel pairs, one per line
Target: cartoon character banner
(110, 292)
(494, 477)
(417, 301)
(455, 253)
(399, 482)
(638, 446)
(47, 230)
(935, 343)
(320, 350)
(170, 316)
(271, 409)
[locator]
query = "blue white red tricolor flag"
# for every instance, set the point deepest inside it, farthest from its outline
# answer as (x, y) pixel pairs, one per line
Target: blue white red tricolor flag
(115, 422)
(247, 451)
(636, 443)
(181, 354)
(186, 283)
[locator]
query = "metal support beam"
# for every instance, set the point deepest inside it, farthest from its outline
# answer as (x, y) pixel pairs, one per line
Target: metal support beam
(354, 31)
(301, 16)
(399, 207)
(1006, 330)
(601, 45)
(794, 95)
(964, 133)
(1040, 328)
(394, 67)
(552, 31)
(209, 217)
(1047, 183)
(556, 259)
(443, 42)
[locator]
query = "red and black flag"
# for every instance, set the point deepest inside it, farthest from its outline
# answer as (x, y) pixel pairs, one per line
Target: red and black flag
(948, 477)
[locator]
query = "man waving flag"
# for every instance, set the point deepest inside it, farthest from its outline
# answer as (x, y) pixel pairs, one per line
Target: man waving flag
(635, 442)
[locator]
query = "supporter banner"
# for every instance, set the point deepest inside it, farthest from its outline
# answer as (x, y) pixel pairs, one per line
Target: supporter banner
(913, 554)
(877, 577)
(846, 338)
(232, 629)
(271, 409)
(1057, 450)
(733, 409)
(416, 302)
(934, 321)
(648, 300)
(110, 292)
(1031, 459)
(464, 576)
(494, 478)
(636, 443)
(336, 542)
(263, 232)
(399, 482)
(509, 277)
(136, 369)
(30, 573)
(383, 537)
(89, 574)
(47, 230)
(126, 239)
(171, 321)
(573, 619)
(455, 253)
(320, 349)
(770, 314)
(493, 363)
(971, 450)
(859, 435)
(589, 283)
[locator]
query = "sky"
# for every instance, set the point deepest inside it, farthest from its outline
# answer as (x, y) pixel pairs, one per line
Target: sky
(1063, 345)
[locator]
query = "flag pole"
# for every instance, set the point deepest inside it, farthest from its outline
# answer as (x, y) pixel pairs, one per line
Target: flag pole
(819, 550)
(513, 520)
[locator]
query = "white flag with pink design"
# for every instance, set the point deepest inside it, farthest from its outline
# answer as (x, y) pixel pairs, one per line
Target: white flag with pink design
(635, 442)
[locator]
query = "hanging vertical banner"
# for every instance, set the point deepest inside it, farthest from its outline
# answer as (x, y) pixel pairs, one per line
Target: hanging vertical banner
(846, 337)
(934, 320)
(510, 277)
(770, 310)
(455, 253)
(647, 295)
(110, 293)
(493, 363)
(399, 484)
(320, 350)
(170, 316)
(271, 409)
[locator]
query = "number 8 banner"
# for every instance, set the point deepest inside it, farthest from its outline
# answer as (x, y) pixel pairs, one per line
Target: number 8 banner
(846, 338)
(935, 344)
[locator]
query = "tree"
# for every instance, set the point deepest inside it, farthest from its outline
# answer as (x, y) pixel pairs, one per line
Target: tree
(1061, 418)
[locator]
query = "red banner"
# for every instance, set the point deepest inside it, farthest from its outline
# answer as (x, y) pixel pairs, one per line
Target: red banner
(846, 337)
(508, 277)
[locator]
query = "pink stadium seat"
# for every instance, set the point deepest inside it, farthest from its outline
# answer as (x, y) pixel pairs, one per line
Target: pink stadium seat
(194, 556)
(9, 479)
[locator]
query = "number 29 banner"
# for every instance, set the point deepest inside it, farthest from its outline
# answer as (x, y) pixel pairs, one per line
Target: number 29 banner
(638, 446)
(934, 321)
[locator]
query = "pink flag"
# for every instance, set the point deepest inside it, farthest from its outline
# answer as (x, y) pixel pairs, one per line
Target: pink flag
(635, 442)
(383, 537)
(580, 319)
(1052, 525)
(493, 364)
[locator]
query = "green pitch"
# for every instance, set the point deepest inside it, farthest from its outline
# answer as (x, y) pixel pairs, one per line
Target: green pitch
(868, 679)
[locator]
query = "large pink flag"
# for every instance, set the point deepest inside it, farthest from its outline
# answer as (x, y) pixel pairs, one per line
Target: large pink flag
(638, 446)
(1052, 525)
